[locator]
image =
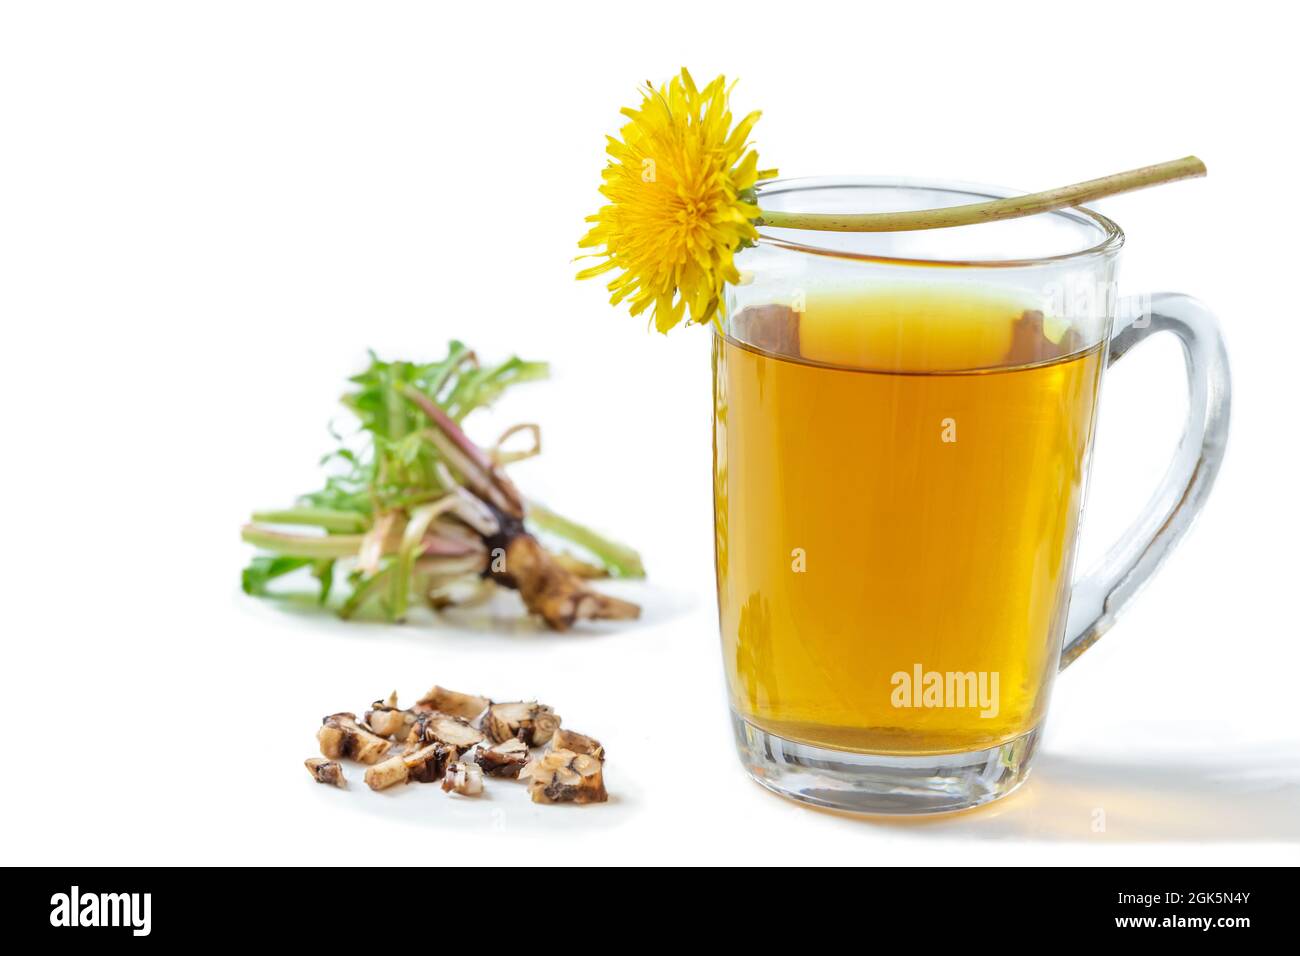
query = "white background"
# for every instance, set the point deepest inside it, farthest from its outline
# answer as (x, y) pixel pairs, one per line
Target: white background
(209, 211)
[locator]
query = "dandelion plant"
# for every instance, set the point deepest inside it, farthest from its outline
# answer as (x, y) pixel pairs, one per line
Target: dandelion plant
(412, 510)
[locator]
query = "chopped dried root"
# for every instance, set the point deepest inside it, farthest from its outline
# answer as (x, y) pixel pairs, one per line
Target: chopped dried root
(423, 766)
(326, 771)
(386, 719)
(529, 721)
(388, 773)
(505, 759)
(429, 763)
(579, 743)
(562, 776)
(465, 778)
(465, 706)
(341, 736)
(442, 743)
(434, 727)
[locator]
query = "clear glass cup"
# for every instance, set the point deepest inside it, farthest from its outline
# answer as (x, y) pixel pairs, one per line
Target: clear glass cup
(903, 423)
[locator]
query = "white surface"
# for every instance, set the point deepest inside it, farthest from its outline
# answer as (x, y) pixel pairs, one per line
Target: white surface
(208, 212)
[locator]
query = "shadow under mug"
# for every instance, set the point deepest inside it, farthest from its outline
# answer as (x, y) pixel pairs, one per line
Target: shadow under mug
(903, 423)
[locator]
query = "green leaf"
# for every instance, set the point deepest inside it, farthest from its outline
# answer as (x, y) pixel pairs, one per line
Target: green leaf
(263, 569)
(483, 386)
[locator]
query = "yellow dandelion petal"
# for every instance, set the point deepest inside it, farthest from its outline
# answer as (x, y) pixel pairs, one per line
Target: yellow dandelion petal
(596, 270)
(679, 190)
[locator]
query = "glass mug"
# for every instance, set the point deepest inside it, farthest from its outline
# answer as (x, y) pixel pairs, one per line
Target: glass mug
(902, 428)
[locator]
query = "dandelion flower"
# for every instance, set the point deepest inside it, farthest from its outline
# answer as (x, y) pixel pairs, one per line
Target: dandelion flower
(681, 201)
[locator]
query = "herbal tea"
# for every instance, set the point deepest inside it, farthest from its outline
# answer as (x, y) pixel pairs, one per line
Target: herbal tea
(897, 482)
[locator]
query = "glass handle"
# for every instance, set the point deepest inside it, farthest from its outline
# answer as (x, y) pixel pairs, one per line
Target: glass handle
(1099, 596)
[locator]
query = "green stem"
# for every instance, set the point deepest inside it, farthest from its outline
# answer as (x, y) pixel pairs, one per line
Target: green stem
(417, 498)
(302, 545)
(412, 540)
(620, 560)
(362, 593)
(992, 211)
(327, 518)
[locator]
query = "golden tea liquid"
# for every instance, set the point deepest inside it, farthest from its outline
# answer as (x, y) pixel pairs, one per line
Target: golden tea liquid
(897, 481)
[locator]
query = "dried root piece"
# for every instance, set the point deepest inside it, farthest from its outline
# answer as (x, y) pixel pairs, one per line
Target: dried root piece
(423, 766)
(386, 719)
(549, 590)
(435, 727)
(562, 776)
(429, 763)
(387, 773)
(465, 778)
(529, 721)
(578, 743)
(326, 771)
(465, 706)
(505, 759)
(341, 736)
